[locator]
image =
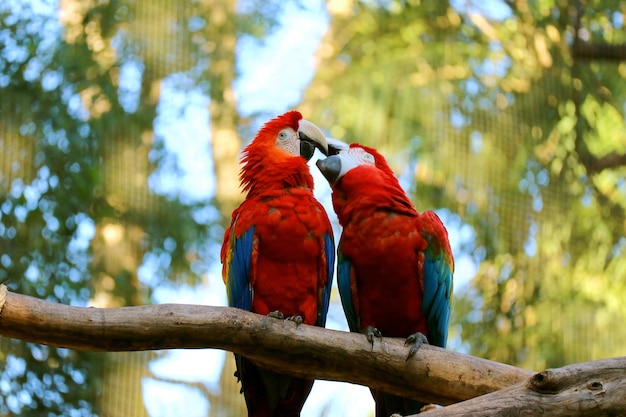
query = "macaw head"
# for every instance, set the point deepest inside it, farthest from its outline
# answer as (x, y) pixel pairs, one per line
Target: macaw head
(347, 158)
(291, 134)
(359, 175)
(280, 151)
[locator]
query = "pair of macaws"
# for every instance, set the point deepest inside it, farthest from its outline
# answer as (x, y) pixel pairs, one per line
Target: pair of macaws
(394, 265)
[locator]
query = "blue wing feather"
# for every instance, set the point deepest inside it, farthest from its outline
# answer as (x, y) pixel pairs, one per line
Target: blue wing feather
(344, 271)
(239, 287)
(329, 252)
(437, 276)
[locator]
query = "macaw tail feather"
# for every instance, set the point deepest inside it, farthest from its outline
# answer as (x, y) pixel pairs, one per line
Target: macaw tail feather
(388, 404)
(269, 394)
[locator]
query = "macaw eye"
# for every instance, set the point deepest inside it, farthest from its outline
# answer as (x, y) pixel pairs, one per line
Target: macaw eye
(369, 158)
(283, 135)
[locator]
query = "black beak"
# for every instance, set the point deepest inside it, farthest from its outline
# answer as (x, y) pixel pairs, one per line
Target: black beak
(308, 145)
(330, 168)
(333, 150)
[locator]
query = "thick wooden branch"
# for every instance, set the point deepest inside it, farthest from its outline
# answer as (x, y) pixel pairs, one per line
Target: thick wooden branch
(434, 375)
(589, 389)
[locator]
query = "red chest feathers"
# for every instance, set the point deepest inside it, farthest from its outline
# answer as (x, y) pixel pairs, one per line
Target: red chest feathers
(384, 249)
(289, 266)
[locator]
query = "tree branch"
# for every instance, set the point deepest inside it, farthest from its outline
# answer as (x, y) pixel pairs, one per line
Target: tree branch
(599, 51)
(589, 389)
(595, 165)
(434, 375)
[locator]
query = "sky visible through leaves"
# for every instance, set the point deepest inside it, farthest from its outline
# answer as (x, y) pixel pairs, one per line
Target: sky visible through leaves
(273, 75)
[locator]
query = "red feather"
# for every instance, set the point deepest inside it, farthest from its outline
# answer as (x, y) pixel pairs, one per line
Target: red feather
(290, 225)
(384, 247)
(288, 270)
(266, 166)
(288, 257)
(395, 263)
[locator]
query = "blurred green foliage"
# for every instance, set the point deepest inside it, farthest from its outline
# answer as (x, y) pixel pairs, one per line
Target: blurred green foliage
(66, 128)
(493, 112)
(511, 127)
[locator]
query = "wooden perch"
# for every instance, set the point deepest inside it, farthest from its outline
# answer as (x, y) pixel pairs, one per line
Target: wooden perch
(589, 389)
(434, 375)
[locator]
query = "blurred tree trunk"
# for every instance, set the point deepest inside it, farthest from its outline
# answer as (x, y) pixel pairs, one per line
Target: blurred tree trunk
(117, 241)
(16, 151)
(225, 142)
(221, 31)
(118, 246)
(96, 153)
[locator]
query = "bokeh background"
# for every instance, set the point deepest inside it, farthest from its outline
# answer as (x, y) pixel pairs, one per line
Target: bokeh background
(121, 122)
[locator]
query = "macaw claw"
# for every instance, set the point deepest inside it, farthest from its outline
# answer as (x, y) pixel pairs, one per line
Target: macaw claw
(276, 315)
(416, 340)
(280, 316)
(371, 332)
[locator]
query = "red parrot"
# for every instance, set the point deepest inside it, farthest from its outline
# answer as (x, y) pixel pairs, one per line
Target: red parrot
(278, 253)
(395, 265)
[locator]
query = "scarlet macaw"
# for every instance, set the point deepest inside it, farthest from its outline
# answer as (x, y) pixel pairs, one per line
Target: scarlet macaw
(395, 265)
(278, 253)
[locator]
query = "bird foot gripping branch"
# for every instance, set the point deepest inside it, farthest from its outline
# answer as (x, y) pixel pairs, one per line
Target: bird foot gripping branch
(280, 316)
(371, 333)
(416, 340)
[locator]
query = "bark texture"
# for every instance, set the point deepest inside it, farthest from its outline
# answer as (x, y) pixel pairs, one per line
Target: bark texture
(433, 375)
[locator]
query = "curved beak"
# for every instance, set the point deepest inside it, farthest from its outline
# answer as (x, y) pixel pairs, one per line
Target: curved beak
(311, 137)
(335, 146)
(330, 168)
